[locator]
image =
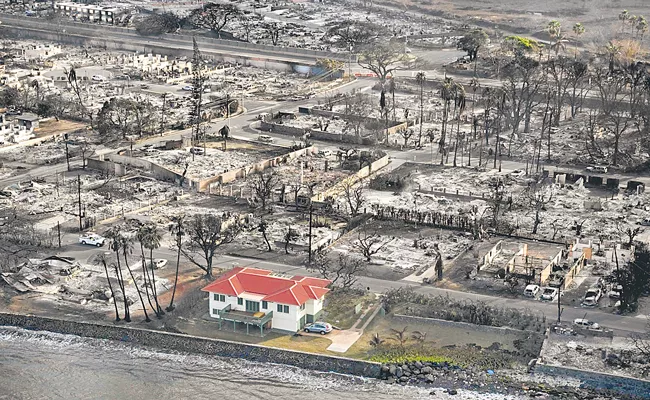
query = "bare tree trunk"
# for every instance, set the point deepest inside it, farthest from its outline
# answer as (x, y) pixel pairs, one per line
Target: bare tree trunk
(110, 286)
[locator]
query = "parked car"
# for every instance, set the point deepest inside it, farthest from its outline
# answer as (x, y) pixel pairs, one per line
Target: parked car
(92, 239)
(98, 78)
(265, 139)
(158, 263)
(188, 88)
(549, 293)
(591, 297)
(196, 150)
(597, 168)
(531, 290)
(615, 292)
(585, 323)
(318, 327)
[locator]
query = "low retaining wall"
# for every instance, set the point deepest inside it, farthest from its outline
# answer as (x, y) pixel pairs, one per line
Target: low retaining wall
(192, 344)
(599, 380)
(499, 330)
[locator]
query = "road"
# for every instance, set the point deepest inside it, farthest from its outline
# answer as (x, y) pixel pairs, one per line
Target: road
(239, 125)
(622, 325)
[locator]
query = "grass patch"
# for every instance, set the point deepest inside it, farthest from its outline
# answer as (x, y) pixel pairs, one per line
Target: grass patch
(400, 359)
(339, 306)
(300, 343)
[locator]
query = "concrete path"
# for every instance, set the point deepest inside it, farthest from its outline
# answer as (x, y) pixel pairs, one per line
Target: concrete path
(344, 339)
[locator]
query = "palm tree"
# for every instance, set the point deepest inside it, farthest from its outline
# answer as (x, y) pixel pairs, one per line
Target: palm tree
(446, 94)
(127, 248)
(624, 16)
(110, 286)
(149, 239)
(578, 30)
(376, 341)
(114, 235)
(613, 51)
(419, 336)
(400, 336)
(641, 27)
(420, 78)
(176, 230)
(459, 104)
(554, 29)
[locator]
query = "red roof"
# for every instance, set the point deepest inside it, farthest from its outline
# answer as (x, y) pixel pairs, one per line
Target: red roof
(295, 291)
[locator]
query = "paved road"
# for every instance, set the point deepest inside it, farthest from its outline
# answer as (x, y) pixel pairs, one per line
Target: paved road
(621, 324)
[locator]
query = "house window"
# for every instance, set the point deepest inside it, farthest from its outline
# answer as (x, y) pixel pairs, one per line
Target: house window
(302, 307)
(240, 301)
(286, 309)
(265, 305)
(222, 298)
(283, 309)
(216, 297)
(279, 307)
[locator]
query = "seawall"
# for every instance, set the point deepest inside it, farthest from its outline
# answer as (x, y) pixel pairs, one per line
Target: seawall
(193, 344)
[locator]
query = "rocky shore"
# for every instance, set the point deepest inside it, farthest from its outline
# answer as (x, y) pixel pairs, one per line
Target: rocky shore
(451, 379)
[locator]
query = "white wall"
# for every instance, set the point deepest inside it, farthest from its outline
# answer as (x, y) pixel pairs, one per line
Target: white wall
(281, 320)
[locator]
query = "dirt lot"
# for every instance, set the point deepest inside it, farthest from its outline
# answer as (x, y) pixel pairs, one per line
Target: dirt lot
(527, 16)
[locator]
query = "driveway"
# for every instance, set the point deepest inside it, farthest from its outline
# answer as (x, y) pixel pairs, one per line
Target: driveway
(342, 340)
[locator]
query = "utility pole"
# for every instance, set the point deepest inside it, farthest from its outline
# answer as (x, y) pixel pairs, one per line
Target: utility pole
(67, 154)
(58, 231)
(162, 114)
(559, 306)
(79, 197)
(311, 211)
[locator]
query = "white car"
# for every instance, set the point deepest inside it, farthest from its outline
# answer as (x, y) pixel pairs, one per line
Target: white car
(188, 88)
(549, 293)
(531, 290)
(585, 323)
(158, 263)
(591, 297)
(92, 239)
(98, 78)
(265, 139)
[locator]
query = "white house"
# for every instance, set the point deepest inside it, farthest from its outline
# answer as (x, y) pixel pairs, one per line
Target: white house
(261, 298)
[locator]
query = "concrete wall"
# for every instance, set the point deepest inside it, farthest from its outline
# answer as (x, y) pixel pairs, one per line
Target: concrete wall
(598, 380)
(192, 344)
(574, 271)
(494, 251)
(160, 172)
(108, 167)
(229, 176)
(394, 126)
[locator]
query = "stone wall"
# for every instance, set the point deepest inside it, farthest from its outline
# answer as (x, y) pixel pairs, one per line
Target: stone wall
(192, 344)
(597, 380)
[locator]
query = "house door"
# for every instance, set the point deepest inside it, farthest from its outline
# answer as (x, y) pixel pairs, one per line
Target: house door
(252, 306)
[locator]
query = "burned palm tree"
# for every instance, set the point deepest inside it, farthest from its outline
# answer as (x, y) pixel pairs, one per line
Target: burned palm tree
(126, 245)
(178, 231)
(110, 286)
(114, 235)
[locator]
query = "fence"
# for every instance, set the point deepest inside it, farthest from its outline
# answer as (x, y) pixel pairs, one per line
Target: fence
(433, 219)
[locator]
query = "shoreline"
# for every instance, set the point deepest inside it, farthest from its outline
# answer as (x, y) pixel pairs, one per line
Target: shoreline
(165, 340)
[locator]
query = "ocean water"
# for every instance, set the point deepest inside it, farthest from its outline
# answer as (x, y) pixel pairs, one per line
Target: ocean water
(43, 365)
